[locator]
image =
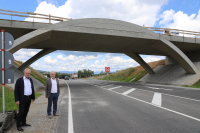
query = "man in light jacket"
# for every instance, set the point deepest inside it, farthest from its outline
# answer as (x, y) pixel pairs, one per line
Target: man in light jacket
(52, 92)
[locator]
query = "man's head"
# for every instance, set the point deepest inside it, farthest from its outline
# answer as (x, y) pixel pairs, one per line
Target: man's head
(53, 75)
(27, 72)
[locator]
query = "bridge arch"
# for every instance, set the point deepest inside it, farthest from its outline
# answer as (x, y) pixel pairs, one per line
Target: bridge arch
(102, 35)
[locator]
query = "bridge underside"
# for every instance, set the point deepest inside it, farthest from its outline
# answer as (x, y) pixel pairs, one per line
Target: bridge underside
(104, 35)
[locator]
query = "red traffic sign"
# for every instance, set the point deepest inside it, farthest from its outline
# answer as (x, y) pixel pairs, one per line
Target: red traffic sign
(107, 69)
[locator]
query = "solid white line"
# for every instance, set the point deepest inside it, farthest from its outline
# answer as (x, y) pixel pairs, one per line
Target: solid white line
(129, 91)
(185, 115)
(157, 99)
(113, 88)
(70, 116)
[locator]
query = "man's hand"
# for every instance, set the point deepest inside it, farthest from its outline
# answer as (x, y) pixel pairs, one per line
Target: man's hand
(17, 102)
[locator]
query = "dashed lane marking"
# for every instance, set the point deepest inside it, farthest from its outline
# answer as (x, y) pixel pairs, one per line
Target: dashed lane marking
(129, 91)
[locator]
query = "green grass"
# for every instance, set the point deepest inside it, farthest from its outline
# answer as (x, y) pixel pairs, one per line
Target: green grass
(196, 85)
(10, 100)
(125, 75)
(37, 75)
(38, 94)
(41, 79)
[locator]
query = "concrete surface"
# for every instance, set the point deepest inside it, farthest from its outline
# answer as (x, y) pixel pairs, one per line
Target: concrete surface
(171, 74)
(107, 35)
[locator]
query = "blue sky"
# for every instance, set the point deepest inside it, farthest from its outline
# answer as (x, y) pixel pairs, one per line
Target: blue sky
(180, 14)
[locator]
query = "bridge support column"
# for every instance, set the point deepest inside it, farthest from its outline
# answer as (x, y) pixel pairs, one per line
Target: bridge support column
(137, 58)
(34, 58)
(176, 54)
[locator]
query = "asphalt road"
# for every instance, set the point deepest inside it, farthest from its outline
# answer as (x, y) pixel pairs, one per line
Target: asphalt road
(93, 106)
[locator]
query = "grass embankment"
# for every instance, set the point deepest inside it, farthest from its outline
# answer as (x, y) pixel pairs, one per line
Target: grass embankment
(9, 92)
(131, 74)
(34, 73)
(10, 99)
(196, 85)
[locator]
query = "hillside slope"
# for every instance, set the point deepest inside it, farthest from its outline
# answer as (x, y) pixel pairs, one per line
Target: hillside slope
(130, 74)
(37, 75)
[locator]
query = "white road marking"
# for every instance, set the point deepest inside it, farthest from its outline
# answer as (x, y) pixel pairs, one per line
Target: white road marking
(158, 88)
(70, 116)
(165, 94)
(113, 88)
(129, 91)
(185, 115)
(107, 85)
(157, 99)
(172, 95)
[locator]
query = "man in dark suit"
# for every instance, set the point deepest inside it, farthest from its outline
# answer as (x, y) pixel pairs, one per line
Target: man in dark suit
(52, 93)
(24, 93)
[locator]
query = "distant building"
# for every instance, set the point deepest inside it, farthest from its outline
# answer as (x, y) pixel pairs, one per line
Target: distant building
(74, 76)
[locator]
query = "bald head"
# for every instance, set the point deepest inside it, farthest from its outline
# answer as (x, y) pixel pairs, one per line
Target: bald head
(27, 72)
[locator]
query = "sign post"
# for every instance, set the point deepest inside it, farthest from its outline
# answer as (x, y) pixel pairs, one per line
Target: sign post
(7, 76)
(3, 68)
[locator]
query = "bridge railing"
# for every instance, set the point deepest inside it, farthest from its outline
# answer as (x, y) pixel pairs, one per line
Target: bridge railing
(175, 32)
(33, 17)
(37, 17)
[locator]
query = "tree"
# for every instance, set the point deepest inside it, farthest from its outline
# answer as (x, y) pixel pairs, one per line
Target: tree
(85, 73)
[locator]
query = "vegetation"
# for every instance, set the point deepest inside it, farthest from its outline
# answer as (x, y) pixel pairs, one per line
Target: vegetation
(34, 73)
(85, 73)
(196, 85)
(9, 99)
(130, 74)
(9, 92)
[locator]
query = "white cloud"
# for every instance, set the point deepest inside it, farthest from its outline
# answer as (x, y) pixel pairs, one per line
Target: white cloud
(180, 20)
(153, 58)
(142, 12)
(50, 60)
(25, 54)
(61, 62)
(50, 9)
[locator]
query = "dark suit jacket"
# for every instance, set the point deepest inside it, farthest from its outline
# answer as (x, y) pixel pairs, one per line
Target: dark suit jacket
(48, 87)
(19, 90)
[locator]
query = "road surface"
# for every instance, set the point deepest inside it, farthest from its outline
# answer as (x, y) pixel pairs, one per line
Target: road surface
(95, 106)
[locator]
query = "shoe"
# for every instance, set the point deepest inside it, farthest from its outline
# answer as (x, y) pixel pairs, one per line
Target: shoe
(26, 125)
(55, 115)
(49, 116)
(20, 129)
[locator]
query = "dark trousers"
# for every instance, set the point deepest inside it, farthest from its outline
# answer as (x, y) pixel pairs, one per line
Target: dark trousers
(23, 111)
(53, 98)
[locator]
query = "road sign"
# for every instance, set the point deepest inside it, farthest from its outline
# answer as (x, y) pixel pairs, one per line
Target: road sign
(8, 40)
(107, 69)
(9, 59)
(9, 76)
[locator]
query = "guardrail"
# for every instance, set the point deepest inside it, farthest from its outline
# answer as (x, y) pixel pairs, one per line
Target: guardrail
(174, 32)
(33, 16)
(52, 19)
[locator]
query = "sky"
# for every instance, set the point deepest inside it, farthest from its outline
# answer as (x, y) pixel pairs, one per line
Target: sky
(179, 14)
